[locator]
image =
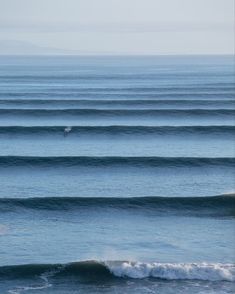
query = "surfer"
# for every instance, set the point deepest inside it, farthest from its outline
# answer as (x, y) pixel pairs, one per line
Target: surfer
(67, 130)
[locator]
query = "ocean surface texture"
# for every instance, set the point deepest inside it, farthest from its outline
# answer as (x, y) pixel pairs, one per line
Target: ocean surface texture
(117, 175)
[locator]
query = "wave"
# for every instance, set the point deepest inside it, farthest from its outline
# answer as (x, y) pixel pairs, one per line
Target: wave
(119, 130)
(119, 161)
(124, 96)
(118, 112)
(174, 271)
(98, 270)
(117, 102)
(213, 206)
(172, 86)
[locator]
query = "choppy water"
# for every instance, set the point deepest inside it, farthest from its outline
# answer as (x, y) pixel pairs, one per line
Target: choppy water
(137, 196)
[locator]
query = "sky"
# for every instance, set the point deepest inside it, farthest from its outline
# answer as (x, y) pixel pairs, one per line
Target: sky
(117, 27)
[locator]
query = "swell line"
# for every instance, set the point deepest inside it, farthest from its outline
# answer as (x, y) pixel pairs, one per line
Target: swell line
(93, 270)
(209, 206)
(119, 129)
(124, 96)
(117, 112)
(115, 102)
(109, 161)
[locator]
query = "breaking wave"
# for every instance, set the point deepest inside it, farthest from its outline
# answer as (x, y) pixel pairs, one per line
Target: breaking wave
(97, 270)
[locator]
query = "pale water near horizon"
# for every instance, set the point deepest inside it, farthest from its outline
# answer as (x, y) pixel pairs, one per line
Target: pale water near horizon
(138, 196)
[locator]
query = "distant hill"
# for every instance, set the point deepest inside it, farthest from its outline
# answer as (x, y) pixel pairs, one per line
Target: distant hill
(14, 47)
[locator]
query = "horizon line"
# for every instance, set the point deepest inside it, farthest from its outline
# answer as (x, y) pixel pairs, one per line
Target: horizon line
(120, 54)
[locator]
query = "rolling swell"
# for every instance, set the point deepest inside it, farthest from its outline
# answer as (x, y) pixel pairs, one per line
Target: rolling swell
(118, 130)
(57, 103)
(124, 96)
(172, 88)
(109, 161)
(117, 112)
(98, 270)
(213, 206)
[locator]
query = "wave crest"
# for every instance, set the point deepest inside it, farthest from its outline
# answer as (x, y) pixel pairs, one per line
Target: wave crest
(155, 113)
(97, 161)
(174, 271)
(95, 270)
(119, 130)
(208, 206)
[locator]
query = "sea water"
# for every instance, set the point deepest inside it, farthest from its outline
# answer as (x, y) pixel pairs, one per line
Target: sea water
(137, 196)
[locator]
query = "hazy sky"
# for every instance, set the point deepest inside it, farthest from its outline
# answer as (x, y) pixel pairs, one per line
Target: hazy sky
(119, 26)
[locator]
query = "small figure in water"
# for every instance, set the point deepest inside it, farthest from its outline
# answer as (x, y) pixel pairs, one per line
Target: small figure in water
(67, 130)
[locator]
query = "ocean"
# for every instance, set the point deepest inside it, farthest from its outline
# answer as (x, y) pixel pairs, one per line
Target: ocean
(117, 174)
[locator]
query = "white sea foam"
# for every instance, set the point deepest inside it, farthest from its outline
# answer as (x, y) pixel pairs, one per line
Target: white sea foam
(19, 290)
(174, 271)
(45, 276)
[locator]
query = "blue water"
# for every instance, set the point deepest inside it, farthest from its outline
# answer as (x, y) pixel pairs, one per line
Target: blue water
(138, 197)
